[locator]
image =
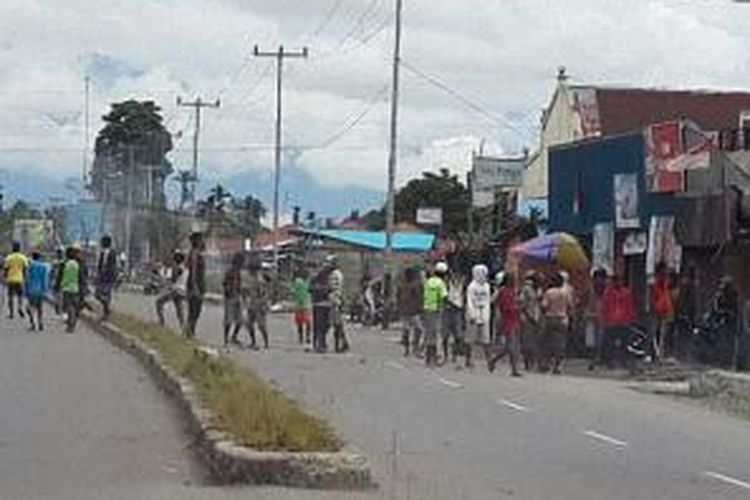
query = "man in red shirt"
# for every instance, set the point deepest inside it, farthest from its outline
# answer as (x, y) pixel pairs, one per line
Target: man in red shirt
(617, 315)
(506, 302)
(662, 309)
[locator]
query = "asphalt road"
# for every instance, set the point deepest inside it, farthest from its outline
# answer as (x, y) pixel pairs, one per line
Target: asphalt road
(82, 420)
(450, 434)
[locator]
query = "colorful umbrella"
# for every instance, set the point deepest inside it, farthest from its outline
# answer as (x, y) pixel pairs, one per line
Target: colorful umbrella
(560, 249)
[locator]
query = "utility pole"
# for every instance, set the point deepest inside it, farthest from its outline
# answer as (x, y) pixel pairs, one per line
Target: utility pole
(129, 207)
(86, 131)
(198, 104)
(390, 217)
(279, 55)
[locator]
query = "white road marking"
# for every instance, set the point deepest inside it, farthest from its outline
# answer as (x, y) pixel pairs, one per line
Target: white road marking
(396, 366)
(728, 479)
(512, 405)
(604, 438)
(450, 383)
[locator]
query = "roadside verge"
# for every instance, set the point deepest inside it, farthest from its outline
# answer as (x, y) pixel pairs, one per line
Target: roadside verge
(245, 431)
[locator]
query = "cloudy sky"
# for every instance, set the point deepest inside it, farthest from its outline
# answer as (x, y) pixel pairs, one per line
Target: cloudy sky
(475, 70)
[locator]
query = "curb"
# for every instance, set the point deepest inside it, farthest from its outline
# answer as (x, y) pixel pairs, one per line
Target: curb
(227, 461)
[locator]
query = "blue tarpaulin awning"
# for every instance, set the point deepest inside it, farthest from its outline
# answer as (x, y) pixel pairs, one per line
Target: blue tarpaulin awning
(375, 240)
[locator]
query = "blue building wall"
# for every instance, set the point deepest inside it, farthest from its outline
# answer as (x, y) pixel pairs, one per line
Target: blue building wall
(590, 167)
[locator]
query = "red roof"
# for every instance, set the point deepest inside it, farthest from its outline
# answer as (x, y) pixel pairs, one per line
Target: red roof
(625, 110)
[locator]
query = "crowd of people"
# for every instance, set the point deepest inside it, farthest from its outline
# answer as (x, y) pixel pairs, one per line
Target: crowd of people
(31, 279)
(445, 314)
(536, 318)
(446, 317)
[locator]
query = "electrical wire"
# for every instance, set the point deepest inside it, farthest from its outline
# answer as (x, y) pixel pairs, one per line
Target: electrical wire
(503, 122)
(351, 123)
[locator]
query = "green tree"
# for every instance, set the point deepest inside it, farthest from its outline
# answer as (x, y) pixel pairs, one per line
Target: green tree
(216, 202)
(130, 155)
(248, 213)
(442, 190)
(19, 210)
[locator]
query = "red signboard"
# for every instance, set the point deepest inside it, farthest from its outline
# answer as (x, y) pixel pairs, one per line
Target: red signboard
(662, 147)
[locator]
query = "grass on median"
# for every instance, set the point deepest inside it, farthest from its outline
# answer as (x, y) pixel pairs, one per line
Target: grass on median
(246, 407)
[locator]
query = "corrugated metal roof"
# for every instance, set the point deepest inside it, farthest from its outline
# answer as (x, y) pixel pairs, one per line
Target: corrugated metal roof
(624, 110)
(402, 242)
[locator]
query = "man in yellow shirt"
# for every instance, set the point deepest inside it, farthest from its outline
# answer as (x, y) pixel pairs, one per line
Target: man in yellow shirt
(15, 274)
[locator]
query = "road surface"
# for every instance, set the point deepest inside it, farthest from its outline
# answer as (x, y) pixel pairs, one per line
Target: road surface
(82, 420)
(449, 434)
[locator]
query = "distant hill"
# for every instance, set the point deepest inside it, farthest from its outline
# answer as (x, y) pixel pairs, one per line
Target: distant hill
(298, 187)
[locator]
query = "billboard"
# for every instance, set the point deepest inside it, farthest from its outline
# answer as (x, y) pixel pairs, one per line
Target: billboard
(497, 173)
(430, 216)
(34, 233)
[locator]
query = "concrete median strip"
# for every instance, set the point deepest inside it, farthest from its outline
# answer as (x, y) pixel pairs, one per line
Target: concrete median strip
(229, 462)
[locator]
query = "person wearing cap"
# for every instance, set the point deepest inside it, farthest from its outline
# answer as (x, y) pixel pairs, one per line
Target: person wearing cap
(196, 282)
(14, 268)
(176, 289)
(435, 293)
(37, 284)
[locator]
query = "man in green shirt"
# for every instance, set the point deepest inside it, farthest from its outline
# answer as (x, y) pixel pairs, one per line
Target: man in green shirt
(435, 293)
(69, 284)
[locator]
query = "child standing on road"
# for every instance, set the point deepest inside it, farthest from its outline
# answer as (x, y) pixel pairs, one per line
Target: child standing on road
(302, 298)
(37, 284)
(176, 290)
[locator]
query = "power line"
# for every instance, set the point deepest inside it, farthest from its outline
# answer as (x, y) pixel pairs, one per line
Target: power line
(503, 122)
(359, 23)
(350, 124)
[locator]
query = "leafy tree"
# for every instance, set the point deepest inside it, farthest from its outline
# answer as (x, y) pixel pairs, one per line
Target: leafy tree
(248, 213)
(215, 202)
(441, 190)
(19, 210)
(130, 147)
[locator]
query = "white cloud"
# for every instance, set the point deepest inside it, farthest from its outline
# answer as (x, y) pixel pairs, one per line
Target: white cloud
(499, 55)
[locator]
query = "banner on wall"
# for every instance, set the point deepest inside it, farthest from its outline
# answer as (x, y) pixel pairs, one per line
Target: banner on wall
(662, 244)
(603, 251)
(626, 201)
(662, 150)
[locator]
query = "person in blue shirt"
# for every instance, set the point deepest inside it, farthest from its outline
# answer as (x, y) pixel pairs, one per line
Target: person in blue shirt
(37, 285)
